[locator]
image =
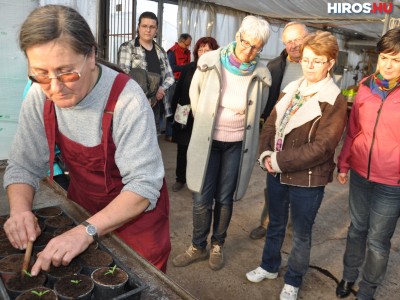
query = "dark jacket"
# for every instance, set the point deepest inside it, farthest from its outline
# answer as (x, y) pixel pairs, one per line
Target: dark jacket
(277, 69)
(181, 96)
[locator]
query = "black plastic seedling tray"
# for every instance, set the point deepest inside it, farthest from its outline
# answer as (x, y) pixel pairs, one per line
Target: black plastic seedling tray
(133, 288)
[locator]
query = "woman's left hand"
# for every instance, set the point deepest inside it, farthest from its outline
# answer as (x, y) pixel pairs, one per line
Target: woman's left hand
(62, 249)
(268, 165)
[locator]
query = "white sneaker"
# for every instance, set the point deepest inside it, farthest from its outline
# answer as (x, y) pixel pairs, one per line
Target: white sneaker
(260, 274)
(289, 292)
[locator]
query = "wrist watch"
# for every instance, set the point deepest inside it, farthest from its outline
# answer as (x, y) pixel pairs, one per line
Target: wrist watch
(91, 230)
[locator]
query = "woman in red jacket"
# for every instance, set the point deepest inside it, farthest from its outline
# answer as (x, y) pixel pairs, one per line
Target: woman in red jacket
(371, 152)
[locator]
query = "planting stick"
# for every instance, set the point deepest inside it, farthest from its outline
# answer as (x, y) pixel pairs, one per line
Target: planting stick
(27, 258)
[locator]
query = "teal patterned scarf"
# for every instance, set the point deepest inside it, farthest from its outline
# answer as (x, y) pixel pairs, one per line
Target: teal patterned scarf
(233, 64)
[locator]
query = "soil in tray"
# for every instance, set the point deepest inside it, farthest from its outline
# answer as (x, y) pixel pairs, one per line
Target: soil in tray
(56, 273)
(7, 249)
(109, 282)
(74, 286)
(42, 241)
(11, 264)
(17, 284)
(119, 276)
(55, 223)
(60, 231)
(94, 258)
(28, 295)
(3, 236)
(48, 212)
(3, 219)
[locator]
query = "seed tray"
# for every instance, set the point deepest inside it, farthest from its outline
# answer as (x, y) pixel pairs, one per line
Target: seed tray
(133, 288)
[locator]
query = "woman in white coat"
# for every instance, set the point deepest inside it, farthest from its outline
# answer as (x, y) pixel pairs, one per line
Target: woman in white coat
(228, 93)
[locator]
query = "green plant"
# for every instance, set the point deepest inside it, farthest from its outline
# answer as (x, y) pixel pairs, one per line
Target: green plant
(41, 293)
(111, 270)
(27, 273)
(76, 281)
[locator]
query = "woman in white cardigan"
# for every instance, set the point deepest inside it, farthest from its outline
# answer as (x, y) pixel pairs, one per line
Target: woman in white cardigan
(228, 93)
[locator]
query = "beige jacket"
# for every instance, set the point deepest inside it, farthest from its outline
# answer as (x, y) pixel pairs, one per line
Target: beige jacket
(205, 95)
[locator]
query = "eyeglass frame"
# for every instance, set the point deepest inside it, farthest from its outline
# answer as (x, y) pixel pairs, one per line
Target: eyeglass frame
(33, 77)
(249, 45)
(317, 64)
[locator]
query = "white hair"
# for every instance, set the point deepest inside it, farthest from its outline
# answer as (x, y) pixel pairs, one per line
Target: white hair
(256, 28)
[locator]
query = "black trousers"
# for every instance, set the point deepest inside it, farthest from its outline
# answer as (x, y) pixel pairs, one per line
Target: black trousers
(181, 162)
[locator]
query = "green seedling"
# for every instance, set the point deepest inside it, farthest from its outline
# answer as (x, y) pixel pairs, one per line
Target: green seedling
(111, 270)
(27, 273)
(76, 281)
(41, 293)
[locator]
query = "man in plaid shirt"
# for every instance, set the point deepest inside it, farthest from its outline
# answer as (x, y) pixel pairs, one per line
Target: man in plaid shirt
(144, 53)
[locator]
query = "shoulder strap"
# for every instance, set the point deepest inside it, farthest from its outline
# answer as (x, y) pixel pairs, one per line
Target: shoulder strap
(118, 85)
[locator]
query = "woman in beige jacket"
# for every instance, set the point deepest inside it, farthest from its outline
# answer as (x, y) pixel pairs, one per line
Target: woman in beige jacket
(228, 93)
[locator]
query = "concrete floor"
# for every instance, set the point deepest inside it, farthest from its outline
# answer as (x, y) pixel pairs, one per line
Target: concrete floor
(243, 254)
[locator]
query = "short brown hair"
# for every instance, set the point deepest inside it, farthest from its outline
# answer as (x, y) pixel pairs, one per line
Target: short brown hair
(322, 43)
(389, 42)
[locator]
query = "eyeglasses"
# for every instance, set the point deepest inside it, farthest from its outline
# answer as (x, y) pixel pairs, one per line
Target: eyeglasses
(62, 77)
(247, 45)
(317, 63)
(147, 27)
(294, 42)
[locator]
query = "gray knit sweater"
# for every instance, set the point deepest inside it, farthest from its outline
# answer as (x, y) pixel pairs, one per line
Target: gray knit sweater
(137, 155)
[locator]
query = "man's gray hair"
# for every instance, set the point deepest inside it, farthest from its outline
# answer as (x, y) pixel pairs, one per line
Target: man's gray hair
(295, 24)
(255, 28)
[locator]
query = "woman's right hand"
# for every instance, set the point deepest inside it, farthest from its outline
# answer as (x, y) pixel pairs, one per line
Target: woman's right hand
(342, 177)
(21, 228)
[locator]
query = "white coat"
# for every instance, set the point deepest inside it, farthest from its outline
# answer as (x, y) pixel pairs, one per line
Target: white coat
(205, 95)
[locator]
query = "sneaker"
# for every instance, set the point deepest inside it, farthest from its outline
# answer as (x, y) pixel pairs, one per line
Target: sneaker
(260, 274)
(258, 233)
(216, 260)
(177, 186)
(289, 292)
(191, 255)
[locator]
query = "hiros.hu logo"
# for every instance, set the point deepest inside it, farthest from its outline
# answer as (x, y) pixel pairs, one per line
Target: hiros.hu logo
(359, 8)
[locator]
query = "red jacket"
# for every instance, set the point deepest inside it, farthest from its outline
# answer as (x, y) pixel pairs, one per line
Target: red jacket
(372, 144)
(182, 57)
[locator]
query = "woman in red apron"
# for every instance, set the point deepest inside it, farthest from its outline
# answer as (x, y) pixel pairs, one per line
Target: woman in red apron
(62, 64)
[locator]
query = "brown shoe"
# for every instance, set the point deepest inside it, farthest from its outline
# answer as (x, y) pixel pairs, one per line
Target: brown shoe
(258, 233)
(216, 260)
(190, 256)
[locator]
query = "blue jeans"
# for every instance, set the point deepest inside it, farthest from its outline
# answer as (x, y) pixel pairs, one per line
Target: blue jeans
(374, 210)
(219, 184)
(304, 203)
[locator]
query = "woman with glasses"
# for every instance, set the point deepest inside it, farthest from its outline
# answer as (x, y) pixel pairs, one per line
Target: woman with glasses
(298, 143)
(371, 153)
(103, 124)
(228, 93)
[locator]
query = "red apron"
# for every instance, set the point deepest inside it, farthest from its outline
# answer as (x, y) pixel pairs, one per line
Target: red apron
(95, 181)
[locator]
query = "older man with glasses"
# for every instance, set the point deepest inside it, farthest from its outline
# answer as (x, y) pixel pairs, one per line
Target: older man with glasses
(284, 69)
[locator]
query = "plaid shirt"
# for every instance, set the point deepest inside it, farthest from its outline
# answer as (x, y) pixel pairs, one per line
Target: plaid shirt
(132, 55)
